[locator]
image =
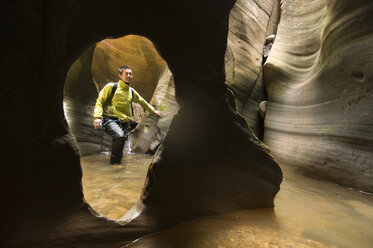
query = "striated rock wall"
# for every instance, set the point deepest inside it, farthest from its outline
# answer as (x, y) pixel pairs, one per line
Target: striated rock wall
(79, 100)
(320, 89)
(250, 22)
(317, 80)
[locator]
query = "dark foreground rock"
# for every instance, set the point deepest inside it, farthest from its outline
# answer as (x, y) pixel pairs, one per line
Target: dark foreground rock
(209, 163)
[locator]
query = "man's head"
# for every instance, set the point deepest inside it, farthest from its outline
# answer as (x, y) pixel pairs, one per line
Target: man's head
(125, 73)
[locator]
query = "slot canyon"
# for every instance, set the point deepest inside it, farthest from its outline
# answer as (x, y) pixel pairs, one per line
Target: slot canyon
(259, 146)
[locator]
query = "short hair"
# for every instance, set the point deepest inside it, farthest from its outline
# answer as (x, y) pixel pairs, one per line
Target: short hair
(122, 68)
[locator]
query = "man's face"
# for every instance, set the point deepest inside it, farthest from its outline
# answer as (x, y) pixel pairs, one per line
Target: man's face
(126, 75)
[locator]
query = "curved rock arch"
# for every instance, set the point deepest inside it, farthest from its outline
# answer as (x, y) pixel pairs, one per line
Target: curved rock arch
(209, 162)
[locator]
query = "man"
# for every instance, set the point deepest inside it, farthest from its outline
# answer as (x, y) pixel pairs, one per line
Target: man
(114, 112)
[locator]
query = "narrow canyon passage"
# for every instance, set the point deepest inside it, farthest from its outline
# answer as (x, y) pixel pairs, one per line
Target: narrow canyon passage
(211, 182)
(307, 213)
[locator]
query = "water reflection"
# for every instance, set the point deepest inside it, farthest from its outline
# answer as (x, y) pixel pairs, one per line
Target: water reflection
(308, 212)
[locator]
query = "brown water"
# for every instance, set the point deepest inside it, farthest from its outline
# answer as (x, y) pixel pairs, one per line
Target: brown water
(112, 190)
(308, 212)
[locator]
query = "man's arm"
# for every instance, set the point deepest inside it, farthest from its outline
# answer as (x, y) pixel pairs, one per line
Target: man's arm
(99, 107)
(138, 99)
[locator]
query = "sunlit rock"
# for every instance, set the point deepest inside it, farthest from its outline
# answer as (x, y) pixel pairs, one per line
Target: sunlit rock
(134, 51)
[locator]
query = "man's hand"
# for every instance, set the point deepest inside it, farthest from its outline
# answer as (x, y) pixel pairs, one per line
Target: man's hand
(97, 123)
(159, 113)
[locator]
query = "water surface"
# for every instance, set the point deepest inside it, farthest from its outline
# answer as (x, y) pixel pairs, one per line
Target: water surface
(112, 190)
(307, 213)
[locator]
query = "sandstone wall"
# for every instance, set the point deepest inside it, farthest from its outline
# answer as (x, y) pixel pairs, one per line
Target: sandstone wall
(319, 83)
(79, 100)
(134, 51)
(250, 22)
(151, 129)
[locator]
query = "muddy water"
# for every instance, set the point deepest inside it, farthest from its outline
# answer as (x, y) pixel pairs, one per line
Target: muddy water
(113, 190)
(308, 212)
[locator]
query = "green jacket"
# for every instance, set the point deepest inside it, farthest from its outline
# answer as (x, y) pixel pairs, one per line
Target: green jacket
(121, 102)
